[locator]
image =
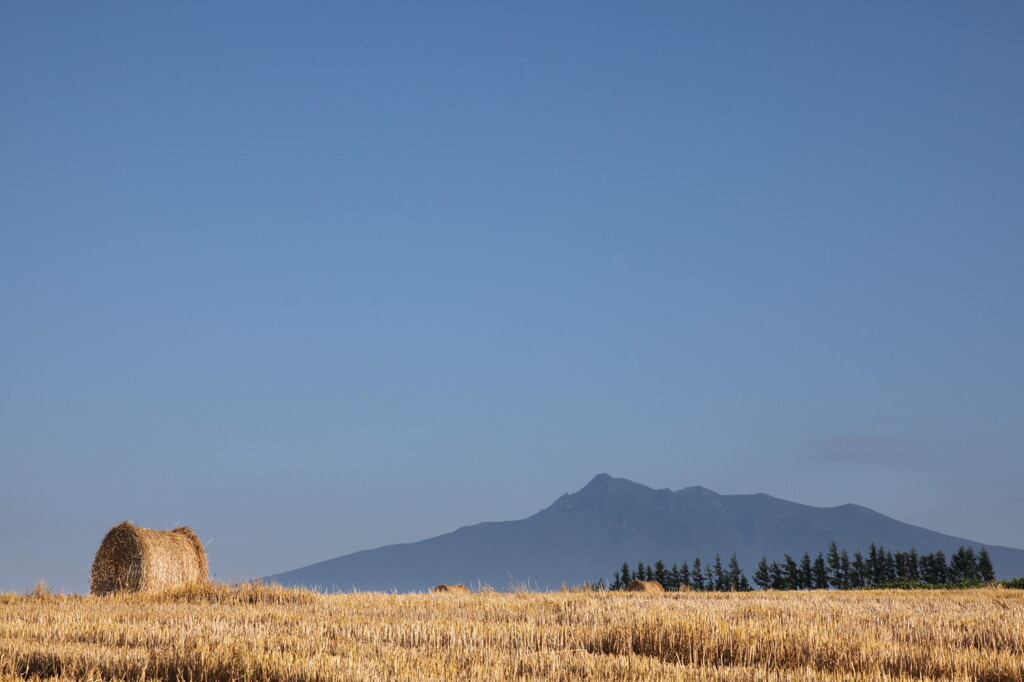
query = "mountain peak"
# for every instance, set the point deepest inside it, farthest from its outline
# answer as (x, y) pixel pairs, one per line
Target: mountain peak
(697, 490)
(606, 486)
(584, 535)
(598, 482)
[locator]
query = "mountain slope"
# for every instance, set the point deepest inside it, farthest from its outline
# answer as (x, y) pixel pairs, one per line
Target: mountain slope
(588, 534)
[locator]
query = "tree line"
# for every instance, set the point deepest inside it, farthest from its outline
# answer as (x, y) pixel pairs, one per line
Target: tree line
(713, 577)
(833, 569)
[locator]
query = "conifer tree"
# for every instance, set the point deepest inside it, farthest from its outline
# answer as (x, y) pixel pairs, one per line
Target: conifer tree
(874, 566)
(941, 567)
(859, 571)
(847, 570)
(986, 571)
(956, 566)
(902, 572)
(697, 575)
(962, 565)
(913, 565)
(835, 572)
(673, 579)
(735, 576)
(929, 571)
(791, 573)
(970, 564)
(718, 575)
(684, 575)
(763, 574)
(625, 576)
(661, 573)
(820, 573)
(806, 572)
(888, 565)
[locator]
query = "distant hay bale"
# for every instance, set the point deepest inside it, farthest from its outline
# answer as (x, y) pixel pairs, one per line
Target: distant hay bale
(133, 559)
(645, 586)
(451, 588)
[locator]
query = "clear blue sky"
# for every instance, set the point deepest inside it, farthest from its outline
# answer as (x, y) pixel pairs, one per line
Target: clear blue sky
(317, 278)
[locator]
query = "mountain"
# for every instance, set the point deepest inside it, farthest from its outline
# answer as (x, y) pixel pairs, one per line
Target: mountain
(588, 534)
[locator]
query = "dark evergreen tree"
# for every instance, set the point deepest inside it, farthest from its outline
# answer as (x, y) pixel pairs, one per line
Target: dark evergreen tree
(860, 573)
(901, 566)
(697, 575)
(986, 571)
(820, 572)
(970, 565)
(718, 574)
(684, 575)
(673, 578)
(836, 577)
(763, 574)
(624, 574)
(641, 571)
(962, 565)
(913, 565)
(941, 567)
(778, 576)
(791, 573)
(955, 572)
(888, 565)
(874, 566)
(928, 570)
(847, 570)
(806, 572)
(661, 573)
(735, 575)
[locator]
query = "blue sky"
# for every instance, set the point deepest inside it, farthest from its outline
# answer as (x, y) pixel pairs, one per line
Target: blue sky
(314, 279)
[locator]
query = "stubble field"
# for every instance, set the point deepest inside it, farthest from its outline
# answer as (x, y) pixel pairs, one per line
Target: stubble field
(265, 633)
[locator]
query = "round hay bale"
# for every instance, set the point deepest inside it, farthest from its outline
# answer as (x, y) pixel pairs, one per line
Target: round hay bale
(133, 559)
(451, 588)
(645, 586)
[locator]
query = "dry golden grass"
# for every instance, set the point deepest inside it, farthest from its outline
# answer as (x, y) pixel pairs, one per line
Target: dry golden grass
(255, 632)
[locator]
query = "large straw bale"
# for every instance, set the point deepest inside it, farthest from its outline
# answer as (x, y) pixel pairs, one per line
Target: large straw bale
(645, 586)
(451, 588)
(134, 559)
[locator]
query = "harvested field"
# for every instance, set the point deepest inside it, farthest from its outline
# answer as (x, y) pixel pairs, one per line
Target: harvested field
(211, 632)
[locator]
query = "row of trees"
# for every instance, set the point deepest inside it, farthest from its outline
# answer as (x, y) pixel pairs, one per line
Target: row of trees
(880, 567)
(834, 569)
(710, 578)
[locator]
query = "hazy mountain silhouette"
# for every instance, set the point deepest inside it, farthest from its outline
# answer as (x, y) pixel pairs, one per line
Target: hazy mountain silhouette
(588, 534)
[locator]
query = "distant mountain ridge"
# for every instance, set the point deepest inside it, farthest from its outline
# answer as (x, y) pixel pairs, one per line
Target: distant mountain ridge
(586, 535)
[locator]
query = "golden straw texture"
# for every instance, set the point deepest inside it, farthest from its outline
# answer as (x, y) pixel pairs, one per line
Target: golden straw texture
(134, 559)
